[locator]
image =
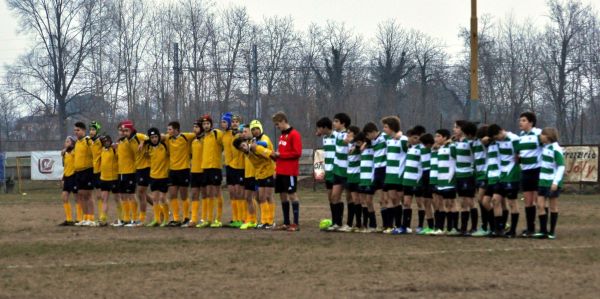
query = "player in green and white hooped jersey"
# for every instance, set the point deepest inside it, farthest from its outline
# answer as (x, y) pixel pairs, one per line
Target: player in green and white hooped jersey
(551, 181)
(411, 180)
(530, 153)
(439, 213)
(341, 121)
(377, 140)
(366, 189)
(508, 145)
(480, 146)
(325, 131)
(464, 134)
(354, 205)
(446, 178)
(396, 148)
(426, 211)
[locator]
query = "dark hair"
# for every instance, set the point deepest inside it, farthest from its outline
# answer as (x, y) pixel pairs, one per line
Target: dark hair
(280, 116)
(237, 143)
(482, 131)
(426, 139)
(419, 130)
(361, 136)
(470, 129)
(393, 122)
(493, 130)
(343, 118)
(324, 122)
(80, 125)
(175, 125)
(354, 129)
(445, 133)
(105, 138)
(370, 127)
(530, 116)
(412, 132)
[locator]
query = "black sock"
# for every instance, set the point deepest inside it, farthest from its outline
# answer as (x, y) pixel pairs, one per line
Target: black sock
(491, 220)
(407, 217)
(358, 214)
(332, 209)
(285, 207)
(296, 211)
(340, 213)
(474, 218)
(436, 219)
(553, 220)
(440, 224)
(449, 220)
(372, 220)
(499, 225)
(421, 217)
(464, 221)
(384, 217)
(398, 215)
(504, 216)
(365, 215)
(350, 215)
(543, 223)
(430, 223)
(514, 221)
(484, 217)
(455, 220)
(530, 215)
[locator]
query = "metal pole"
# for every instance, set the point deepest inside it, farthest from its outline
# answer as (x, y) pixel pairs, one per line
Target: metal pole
(474, 100)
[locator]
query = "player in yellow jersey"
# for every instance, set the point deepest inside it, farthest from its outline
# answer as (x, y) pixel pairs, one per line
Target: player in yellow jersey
(179, 145)
(109, 176)
(235, 173)
(242, 143)
(197, 180)
(69, 183)
(127, 172)
(262, 147)
(212, 149)
(142, 173)
(159, 177)
(94, 133)
(84, 173)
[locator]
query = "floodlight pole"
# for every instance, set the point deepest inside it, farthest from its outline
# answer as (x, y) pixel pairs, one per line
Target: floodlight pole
(474, 98)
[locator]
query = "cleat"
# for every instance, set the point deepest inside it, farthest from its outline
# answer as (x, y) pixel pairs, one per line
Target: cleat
(372, 230)
(540, 235)
(526, 234)
(153, 224)
(248, 225)
(399, 231)
(282, 227)
(409, 230)
(354, 229)
(551, 237)
(333, 228)
(506, 227)
(480, 233)
(295, 228)
(66, 223)
(133, 224)
(388, 231)
(102, 223)
(418, 230)
(164, 224)
(453, 233)
(236, 224)
(216, 224)
(424, 232)
(174, 223)
(117, 223)
(510, 235)
(379, 230)
(345, 229)
(81, 223)
(93, 224)
(185, 221)
(437, 232)
(268, 226)
(203, 224)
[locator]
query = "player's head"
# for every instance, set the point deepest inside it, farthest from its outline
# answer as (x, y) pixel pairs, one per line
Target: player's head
(95, 128)
(207, 122)
(106, 140)
(353, 131)
(226, 120)
(324, 126)
(173, 128)
(549, 135)
(69, 142)
(371, 130)
(391, 125)
(360, 139)
(413, 136)
(495, 132)
(441, 136)
(236, 121)
(240, 144)
(128, 129)
(280, 120)
(256, 128)
(246, 133)
(427, 140)
(341, 121)
(527, 120)
(154, 135)
(79, 130)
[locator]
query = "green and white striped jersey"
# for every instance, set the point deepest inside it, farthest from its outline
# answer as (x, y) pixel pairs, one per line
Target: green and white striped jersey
(354, 164)
(367, 169)
(413, 170)
(446, 167)
(434, 168)
(329, 151)
(479, 154)
(530, 149)
(553, 165)
(340, 163)
(509, 148)
(492, 161)
(425, 158)
(395, 159)
(464, 158)
(379, 150)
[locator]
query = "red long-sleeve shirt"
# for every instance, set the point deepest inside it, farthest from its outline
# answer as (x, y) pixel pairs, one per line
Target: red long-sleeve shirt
(290, 151)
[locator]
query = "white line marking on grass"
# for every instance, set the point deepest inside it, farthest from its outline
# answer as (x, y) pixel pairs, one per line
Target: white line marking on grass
(508, 249)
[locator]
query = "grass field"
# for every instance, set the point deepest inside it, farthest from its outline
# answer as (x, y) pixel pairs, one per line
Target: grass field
(41, 260)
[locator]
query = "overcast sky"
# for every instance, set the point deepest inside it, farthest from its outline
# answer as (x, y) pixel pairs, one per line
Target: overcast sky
(438, 18)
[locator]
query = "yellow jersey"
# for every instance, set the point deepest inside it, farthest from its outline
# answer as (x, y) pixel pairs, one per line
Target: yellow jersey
(263, 164)
(159, 160)
(197, 155)
(109, 168)
(237, 156)
(212, 149)
(126, 157)
(179, 150)
(227, 141)
(249, 171)
(69, 163)
(96, 152)
(83, 154)
(142, 160)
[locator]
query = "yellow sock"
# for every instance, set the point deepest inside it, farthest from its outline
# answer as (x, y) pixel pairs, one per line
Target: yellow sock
(100, 205)
(165, 212)
(120, 210)
(234, 211)
(91, 217)
(142, 217)
(219, 208)
(156, 211)
(126, 211)
(204, 209)
(68, 212)
(242, 208)
(175, 208)
(271, 212)
(186, 208)
(134, 209)
(210, 213)
(195, 207)
(263, 213)
(79, 212)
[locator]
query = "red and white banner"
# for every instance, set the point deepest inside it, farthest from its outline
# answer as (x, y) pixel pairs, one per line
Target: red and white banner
(46, 165)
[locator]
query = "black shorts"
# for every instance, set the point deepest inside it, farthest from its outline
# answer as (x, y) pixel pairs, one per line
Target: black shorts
(109, 186)
(213, 176)
(379, 178)
(352, 187)
(465, 187)
(530, 179)
(70, 184)
(413, 191)
(393, 187)
(545, 192)
(127, 183)
(286, 184)
(142, 177)
(369, 190)
(329, 185)
(491, 189)
(197, 180)
(234, 176)
(97, 180)
(85, 179)
(481, 184)
(509, 190)
(447, 193)
(268, 182)
(339, 180)
(179, 178)
(160, 185)
(250, 184)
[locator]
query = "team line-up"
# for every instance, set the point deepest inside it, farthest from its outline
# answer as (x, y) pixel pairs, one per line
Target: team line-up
(486, 165)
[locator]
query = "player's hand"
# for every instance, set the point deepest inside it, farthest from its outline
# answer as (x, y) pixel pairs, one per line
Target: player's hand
(398, 135)
(554, 187)
(363, 146)
(275, 155)
(253, 147)
(140, 147)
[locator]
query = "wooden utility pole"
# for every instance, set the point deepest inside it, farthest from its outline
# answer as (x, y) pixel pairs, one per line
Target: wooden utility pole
(255, 92)
(474, 99)
(176, 72)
